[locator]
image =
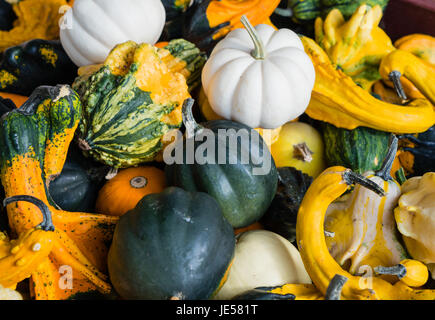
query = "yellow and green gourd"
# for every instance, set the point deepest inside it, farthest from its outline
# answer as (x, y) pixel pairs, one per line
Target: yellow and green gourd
(133, 99)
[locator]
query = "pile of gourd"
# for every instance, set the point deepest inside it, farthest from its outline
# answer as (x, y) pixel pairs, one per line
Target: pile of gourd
(99, 98)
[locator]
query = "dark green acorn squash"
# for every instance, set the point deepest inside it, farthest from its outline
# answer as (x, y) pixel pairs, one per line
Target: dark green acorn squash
(418, 152)
(33, 64)
(172, 245)
(362, 149)
(7, 16)
(76, 188)
(227, 172)
(282, 213)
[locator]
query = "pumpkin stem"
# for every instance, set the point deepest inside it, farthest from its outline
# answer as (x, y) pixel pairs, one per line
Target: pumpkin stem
(259, 51)
(351, 177)
(397, 270)
(192, 127)
(385, 171)
(394, 76)
(138, 182)
(302, 152)
(47, 223)
(333, 292)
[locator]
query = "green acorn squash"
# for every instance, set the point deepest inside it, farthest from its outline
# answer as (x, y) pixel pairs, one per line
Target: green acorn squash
(7, 16)
(133, 99)
(76, 188)
(417, 152)
(243, 178)
(361, 149)
(173, 245)
(33, 64)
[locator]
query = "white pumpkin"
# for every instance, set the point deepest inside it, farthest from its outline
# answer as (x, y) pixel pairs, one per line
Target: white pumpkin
(262, 258)
(259, 76)
(92, 28)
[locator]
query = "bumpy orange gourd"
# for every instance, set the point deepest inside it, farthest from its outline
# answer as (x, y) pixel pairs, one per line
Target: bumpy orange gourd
(122, 193)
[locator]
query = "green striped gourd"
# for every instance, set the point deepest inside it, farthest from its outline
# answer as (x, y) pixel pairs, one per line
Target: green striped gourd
(133, 99)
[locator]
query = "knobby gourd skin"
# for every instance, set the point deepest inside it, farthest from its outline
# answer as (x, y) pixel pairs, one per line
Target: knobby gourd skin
(38, 62)
(337, 99)
(358, 45)
(133, 99)
(320, 265)
(416, 70)
(46, 124)
(26, 253)
(36, 19)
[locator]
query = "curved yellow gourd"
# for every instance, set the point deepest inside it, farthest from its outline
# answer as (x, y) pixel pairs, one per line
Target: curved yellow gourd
(320, 265)
(421, 45)
(416, 70)
(337, 99)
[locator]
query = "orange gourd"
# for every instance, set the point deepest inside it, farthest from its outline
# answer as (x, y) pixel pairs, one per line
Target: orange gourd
(16, 98)
(121, 193)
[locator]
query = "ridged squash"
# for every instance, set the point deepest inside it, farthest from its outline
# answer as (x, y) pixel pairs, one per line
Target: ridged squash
(133, 99)
(361, 149)
(173, 245)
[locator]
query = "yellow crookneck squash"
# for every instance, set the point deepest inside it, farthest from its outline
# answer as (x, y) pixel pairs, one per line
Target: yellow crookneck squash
(358, 45)
(36, 19)
(361, 228)
(319, 263)
(337, 99)
(400, 63)
(46, 124)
